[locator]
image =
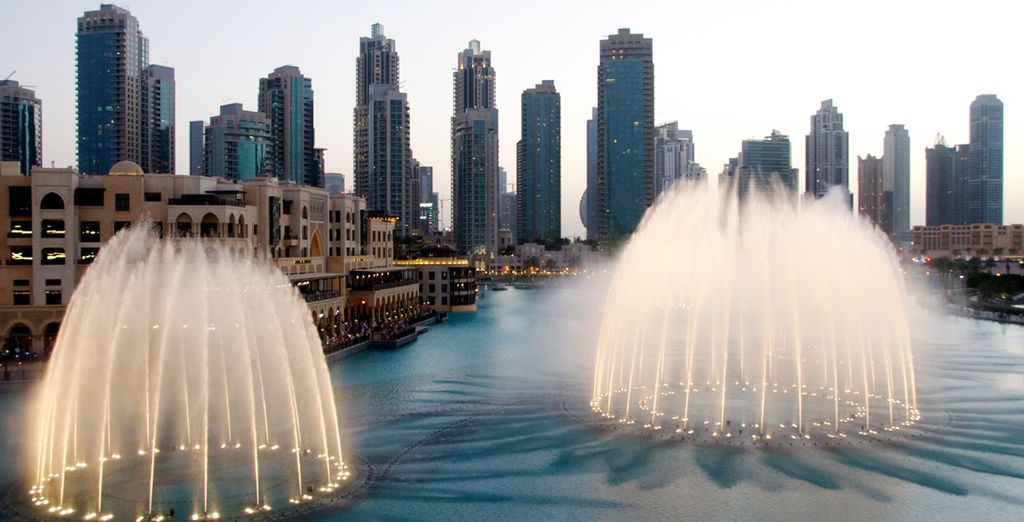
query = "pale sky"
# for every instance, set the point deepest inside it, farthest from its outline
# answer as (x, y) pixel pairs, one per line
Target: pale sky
(727, 70)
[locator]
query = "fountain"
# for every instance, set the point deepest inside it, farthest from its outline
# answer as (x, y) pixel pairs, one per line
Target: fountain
(772, 322)
(188, 377)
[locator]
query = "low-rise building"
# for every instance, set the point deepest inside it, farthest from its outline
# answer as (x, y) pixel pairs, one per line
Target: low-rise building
(975, 240)
(54, 222)
(447, 283)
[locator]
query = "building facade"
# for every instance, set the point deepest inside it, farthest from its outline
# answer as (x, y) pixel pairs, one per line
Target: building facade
(673, 156)
(21, 126)
(625, 134)
(286, 98)
(383, 163)
(974, 240)
(475, 153)
(56, 221)
(237, 144)
(761, 164)
(940, 185)
(196, 147)
(588, 211)
(539, 166)
(828, 153)
(985, 179)
(896, 183)
(158, 124)
(870, 191)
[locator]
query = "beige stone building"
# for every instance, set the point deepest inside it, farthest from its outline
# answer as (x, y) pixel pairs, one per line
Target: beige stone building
(54, 222)
(977, 240)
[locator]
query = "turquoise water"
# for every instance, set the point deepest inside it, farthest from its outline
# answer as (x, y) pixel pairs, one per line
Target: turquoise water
(471, 423)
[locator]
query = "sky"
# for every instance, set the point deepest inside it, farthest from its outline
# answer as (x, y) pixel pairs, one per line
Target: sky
(728, 70)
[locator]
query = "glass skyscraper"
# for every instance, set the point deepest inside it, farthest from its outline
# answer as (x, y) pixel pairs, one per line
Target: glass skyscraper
(828, 153)
(539, 166)
(286, 98)
(21, 126)
(762, 163)
(237, 144)
(475, 154)
(382, 157)
(896, 183)
(985, 180)
(125, 106)
(625, 134)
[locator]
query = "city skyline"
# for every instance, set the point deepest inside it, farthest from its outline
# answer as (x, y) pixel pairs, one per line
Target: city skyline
(203, 84)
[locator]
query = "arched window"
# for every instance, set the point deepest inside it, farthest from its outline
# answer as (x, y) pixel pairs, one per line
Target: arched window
(19, 338)
(50, 338)
(305, 213)
(183, 225)
(210, 226)
(52, 201)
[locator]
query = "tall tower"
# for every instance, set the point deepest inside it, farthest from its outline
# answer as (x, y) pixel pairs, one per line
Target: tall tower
(382, 157)
(158, 124)
(940, 185)
(870, 194)
(21, 126)
(112, 55)
(985, 180)
(589, 203)
(762, 163)
(539, 166)
(896, 182)
(195, 148)
(828, 153)
(286, 98)
(625, 134)
(475, 153)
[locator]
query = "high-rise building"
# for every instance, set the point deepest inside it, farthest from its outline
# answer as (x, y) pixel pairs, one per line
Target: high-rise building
(761, 164)
(961, 175)
(475, 153)
(673, 156)
(985, 180)
(382, 158)
(21, 126)
(539, 165)
(870, 194)
(112, 56)
(896, 183)
(237, 144)
(588, 204)
(625, 134)
(334, 182)
(940, 185)
(286, 98)
(828, 153)
(428, 206)
(158, 123)
(196, 145)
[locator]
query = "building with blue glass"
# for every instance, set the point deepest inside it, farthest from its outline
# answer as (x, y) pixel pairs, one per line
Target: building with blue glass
(286, 98)
(158, 126)
(475, 154)
(896, 183)
(237, 144)
(539, 166)
(125, 106)
(21, 126)
(763, 166)
(985, 179)
(625, 134)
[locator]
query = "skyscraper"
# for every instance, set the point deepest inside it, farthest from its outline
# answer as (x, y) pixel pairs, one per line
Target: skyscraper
(539, 165)
(428, 200)
(763, 162)
(589, 202)
(334, 182)
(828, 153)
(475, 153)
(158, 123)
(196, 143)
(112, 55)
(286, 98)
(237, 144)
(673, 156)
(985, 180)
(21, 126)
(625, 134)
(896, 183)
(382, 158)
(940, 185)
(870, 194)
